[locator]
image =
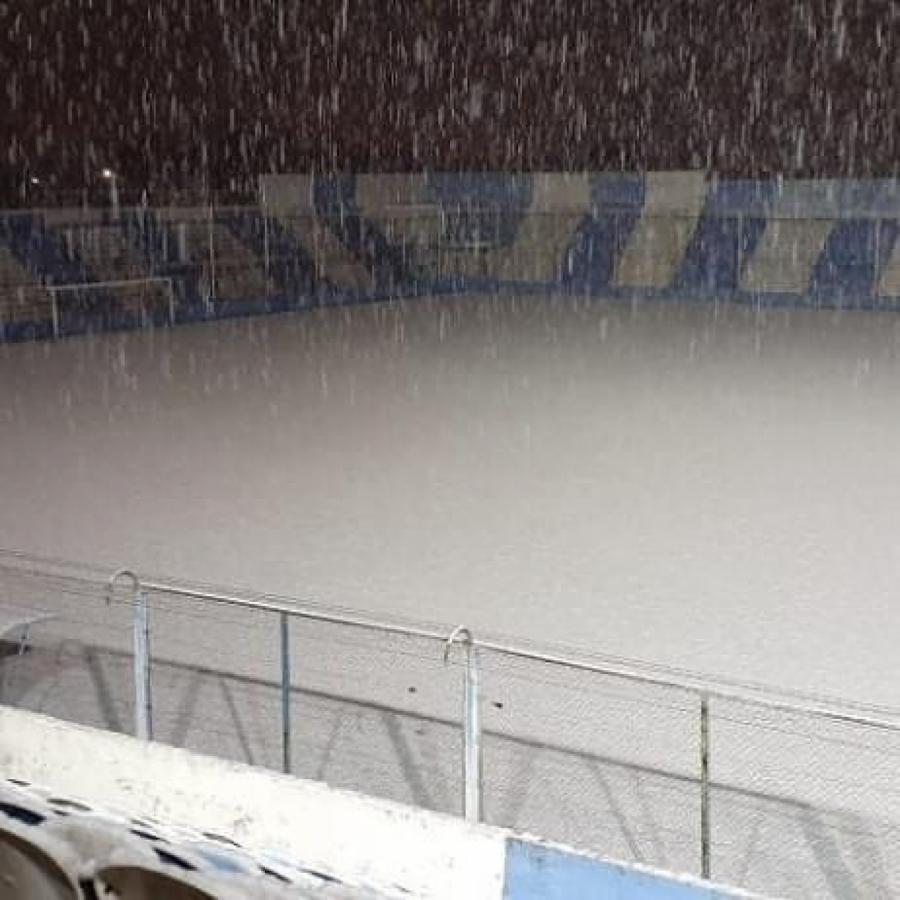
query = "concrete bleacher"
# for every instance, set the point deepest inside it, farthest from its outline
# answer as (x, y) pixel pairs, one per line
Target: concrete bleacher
(292, 208)
(109, 253)
(23, 301)
(226, 268)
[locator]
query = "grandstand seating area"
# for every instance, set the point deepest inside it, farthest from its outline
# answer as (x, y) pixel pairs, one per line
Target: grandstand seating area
(343, 239)
(22, 299)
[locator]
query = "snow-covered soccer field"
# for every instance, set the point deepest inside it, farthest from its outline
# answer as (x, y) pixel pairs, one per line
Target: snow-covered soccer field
(687, 484)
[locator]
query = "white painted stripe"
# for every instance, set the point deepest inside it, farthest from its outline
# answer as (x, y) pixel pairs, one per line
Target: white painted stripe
(385, 846)
(673, 203)
(286, 195)
(888, 284)
(785, 255)
(380, 194)
(201, 214)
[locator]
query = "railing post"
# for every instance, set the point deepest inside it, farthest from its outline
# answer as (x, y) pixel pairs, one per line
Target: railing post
(212, 259)
(171, 288)
(143, 698)
(140, 629)
(266, 251)
(704, 788)
(285, 694)
(54, 312)
(876, 252)
(472, 755)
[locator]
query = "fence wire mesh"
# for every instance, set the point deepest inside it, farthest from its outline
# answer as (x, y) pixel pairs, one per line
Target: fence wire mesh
(804, 804)
(592, 760)
(803, 800)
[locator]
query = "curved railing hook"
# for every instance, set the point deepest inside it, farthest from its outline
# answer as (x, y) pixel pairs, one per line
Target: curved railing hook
(117, 576)
(459, 634)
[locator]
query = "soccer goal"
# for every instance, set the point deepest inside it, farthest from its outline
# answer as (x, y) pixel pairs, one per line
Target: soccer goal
(144, 298)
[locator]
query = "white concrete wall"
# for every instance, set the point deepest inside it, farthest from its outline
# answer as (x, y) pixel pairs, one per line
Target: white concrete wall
(384, 846)
(381, 848)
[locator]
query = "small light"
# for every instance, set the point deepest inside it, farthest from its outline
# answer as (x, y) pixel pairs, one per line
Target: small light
(34, 179)
(107, 173)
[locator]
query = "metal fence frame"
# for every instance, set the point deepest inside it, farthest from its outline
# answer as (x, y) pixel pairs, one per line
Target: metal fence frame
(472, 780)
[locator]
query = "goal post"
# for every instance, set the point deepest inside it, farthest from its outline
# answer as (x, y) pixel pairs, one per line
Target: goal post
(126, 295)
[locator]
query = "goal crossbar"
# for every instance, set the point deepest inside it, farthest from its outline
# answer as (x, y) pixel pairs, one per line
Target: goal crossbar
(56, 289)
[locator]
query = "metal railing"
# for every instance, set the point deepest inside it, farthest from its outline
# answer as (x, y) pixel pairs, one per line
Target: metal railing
(190, 620)
(472, 787)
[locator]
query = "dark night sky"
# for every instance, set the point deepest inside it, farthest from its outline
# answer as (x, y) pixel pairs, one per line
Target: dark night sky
(178, 91)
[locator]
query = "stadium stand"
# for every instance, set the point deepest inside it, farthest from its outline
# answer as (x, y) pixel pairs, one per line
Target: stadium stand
(346, 239)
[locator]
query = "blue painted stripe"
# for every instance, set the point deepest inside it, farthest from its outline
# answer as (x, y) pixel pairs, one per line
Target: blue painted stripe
(726, 235)
(609, 191)
(599, 242)
(741, 197)
(497, 189)
(290, 265)
(847, 264)
(536, 872)
(335, 202)
(590, 261)
(710, 260)
(717, 252)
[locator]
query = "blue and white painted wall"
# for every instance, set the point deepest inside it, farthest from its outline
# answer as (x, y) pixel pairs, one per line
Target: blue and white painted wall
(93, 803)
(345, 239)
(658, 234)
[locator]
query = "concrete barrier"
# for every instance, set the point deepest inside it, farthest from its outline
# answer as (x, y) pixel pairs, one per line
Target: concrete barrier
(221, 824)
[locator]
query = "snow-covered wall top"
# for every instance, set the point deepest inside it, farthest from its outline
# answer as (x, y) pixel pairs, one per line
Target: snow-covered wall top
(110, 808)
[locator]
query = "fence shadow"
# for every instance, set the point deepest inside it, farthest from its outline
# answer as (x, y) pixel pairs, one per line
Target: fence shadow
(610, 805)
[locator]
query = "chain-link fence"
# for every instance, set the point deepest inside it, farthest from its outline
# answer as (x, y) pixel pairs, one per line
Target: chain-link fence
(776, 793)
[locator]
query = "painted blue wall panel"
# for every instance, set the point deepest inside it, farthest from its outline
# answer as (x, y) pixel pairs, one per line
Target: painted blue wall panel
(598, 243)
(711, 258)
(741, 197)
(617, 191)
(509, 190)
(846, 267)
(537, 872)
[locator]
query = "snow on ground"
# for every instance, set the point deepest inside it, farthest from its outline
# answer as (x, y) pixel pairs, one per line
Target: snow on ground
(695, 485)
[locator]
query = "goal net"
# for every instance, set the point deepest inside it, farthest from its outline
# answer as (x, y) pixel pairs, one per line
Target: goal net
(110, 304)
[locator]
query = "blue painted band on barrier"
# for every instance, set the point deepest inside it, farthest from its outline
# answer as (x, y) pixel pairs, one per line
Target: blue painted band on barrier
(538, 872)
